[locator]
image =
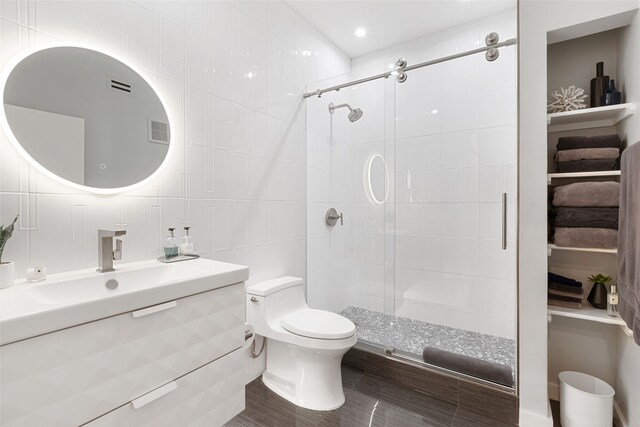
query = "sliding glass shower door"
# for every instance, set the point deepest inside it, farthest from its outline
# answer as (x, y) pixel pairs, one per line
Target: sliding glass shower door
(455, 208)
(350, 265)
(426, 181)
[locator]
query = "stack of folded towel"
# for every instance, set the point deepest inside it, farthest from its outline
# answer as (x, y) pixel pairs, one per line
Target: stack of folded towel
(585, 215)
(564, 292)
(588, 153)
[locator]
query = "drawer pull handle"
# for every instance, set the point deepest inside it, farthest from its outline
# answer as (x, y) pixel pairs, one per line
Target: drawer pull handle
(154, 395)
(154, 309)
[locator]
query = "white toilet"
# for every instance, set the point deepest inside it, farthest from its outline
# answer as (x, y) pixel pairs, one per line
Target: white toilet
(304, 346)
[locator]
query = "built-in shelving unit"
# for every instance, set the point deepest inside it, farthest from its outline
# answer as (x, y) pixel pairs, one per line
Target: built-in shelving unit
(586, 119)
(551, 247)
(589, 314)
(581, 175)
(589, 117)
(576, 332)
(586, 313)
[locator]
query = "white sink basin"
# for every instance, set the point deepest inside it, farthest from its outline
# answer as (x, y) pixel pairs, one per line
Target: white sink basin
(100, 285)
(68, 299)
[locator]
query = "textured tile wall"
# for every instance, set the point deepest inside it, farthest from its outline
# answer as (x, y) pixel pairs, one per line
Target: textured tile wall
(232, 74)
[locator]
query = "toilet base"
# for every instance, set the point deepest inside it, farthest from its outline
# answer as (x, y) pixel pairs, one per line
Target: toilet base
(309, 378)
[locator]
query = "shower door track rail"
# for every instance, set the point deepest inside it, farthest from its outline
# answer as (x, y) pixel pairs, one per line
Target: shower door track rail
(386, 75)
(408, 358)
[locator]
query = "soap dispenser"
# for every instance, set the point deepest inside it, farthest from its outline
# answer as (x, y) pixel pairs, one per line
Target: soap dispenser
(186, 245)
(171, 245)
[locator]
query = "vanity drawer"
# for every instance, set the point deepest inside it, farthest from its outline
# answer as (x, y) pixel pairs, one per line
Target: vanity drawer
(72, 376)
(209, 396)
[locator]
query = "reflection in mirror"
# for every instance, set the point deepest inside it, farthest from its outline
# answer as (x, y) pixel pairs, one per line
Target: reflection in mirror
(376, 179)
(86, 117)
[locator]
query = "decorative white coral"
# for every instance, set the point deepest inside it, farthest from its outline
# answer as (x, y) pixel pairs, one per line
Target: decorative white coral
(569, 99)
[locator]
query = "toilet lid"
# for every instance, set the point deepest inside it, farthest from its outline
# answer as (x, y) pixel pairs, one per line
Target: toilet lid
(318, 324)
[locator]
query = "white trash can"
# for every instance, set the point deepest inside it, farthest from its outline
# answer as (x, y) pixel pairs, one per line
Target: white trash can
(585, 401)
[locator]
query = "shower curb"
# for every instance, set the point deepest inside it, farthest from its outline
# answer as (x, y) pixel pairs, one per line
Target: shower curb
(471, 397)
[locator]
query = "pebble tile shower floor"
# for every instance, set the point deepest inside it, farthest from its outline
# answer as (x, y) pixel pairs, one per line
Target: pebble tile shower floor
(412, 336)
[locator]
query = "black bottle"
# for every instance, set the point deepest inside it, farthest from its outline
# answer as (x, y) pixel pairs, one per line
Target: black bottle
(598, 85)
(612, 96)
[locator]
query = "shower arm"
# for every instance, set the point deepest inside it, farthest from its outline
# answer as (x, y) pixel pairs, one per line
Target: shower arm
(490, 49)
(333, 108)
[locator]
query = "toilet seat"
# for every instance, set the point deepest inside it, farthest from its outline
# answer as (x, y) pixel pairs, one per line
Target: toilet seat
(318, 324)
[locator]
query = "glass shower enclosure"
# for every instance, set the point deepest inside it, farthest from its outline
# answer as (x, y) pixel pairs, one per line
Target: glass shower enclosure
(423, 259)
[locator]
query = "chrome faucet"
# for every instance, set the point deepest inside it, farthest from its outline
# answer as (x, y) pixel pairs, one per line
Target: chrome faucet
(106, 253)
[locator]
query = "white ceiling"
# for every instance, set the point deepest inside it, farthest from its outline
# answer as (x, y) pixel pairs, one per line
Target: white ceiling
(389, 22)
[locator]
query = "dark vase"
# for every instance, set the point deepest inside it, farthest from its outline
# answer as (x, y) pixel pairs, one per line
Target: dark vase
(612, 95)
(598, 85)
(598, 296)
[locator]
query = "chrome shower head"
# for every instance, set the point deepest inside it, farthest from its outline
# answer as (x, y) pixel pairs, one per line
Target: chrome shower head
(354, 114)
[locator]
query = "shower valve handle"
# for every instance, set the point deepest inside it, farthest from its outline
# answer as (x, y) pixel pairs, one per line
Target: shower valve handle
(332, 217)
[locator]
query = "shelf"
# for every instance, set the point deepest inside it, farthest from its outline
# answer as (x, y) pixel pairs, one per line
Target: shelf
(585, 313)
(578, 175)
(589, 117)
(551, 247)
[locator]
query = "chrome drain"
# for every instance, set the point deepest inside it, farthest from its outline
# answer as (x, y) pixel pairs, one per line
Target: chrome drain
(111, 284)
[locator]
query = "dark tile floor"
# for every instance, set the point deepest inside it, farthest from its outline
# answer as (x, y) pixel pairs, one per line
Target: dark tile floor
(555, 411)
(369, 402)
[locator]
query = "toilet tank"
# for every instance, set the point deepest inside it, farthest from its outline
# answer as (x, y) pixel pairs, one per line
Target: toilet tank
(269, 301)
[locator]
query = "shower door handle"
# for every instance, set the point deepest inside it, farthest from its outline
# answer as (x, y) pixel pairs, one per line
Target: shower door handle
(504, 221)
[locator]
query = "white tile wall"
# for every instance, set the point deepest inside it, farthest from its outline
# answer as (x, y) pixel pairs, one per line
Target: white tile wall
(329, 184)
(233, 81)
(449, 137)
(232, 74)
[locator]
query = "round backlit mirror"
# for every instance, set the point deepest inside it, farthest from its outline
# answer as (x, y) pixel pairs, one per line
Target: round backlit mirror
(85, 118)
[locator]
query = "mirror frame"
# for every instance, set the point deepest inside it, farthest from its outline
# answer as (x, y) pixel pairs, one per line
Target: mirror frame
(4, 123)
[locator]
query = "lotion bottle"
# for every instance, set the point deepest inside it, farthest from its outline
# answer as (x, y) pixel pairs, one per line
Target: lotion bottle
(612, 302)
(186, 245)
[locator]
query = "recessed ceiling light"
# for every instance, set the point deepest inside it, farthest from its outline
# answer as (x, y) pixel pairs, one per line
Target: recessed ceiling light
(361, 32)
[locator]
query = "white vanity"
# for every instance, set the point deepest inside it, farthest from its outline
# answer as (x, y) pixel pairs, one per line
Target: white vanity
(150, 344)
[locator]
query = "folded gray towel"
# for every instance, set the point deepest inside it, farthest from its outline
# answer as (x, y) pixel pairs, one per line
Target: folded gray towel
(587, 154)
(559, 287)
(601, 238)
(595, 165)
(585, 217)
(588, 194)
(494, 372)
(599, 141)
(567, 281)
(553, 292)
(629, 247)
(559, 301)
